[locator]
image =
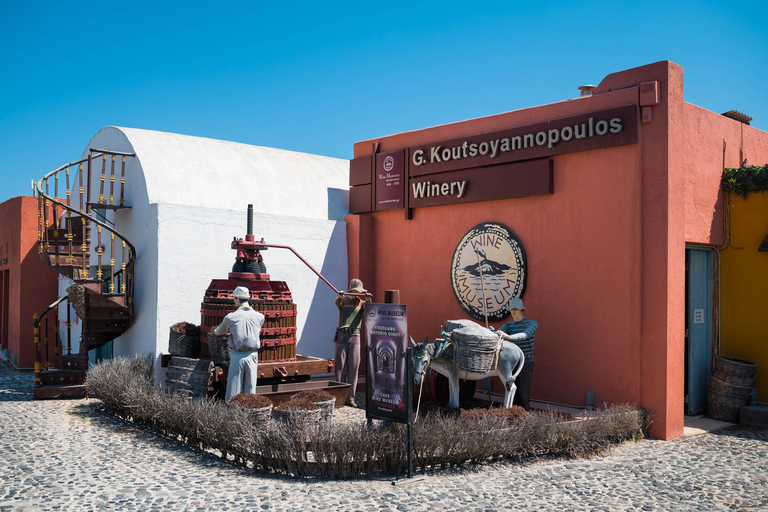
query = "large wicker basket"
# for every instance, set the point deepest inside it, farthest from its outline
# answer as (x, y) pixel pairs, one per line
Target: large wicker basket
(191, 364)
(326, 412)
(219, 348)
(303, 421)
(260, 417)
(177, 387)
(184, 340)
(735, 371)
(190, 376)
(473, 359)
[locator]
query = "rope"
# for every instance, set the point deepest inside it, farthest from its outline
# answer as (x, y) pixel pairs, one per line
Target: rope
(421, 387)
(418, 403)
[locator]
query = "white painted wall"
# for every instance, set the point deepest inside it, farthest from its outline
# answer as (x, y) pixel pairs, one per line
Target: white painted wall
(194, 248)
(188, 198)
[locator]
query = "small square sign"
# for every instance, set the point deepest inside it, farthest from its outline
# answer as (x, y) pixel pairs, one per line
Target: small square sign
(390, 180)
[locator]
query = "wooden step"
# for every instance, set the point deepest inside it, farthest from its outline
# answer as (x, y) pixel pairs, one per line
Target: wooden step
(77, 259)
(59, 377)
(70, 362)
(67, 391)
(60, 236)
(110, 314)
(96, 339)
(108, 326)
(103, 206)
(73, 270)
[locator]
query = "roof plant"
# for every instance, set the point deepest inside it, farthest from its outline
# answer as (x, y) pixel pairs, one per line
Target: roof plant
(745, 179)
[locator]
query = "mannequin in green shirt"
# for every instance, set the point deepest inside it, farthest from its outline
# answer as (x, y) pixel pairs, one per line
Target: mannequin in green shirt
(348, 335)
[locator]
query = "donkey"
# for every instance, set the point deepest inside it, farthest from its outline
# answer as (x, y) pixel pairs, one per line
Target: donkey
(438, 356)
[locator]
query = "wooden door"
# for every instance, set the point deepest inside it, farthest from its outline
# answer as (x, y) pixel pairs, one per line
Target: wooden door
(699, 304)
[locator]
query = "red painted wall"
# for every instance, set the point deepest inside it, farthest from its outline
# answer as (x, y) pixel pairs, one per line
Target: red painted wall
(32, 284)
(713, 142)
(606, 251)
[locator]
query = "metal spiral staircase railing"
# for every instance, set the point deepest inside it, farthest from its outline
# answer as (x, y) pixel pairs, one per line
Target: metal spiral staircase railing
(103, 304)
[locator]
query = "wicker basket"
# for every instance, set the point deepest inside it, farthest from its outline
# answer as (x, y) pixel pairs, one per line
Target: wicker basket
(735, 371)
(194, 378)
(180, 344)
(724, 407)
(326, 412)
(177, 387)
(260, 417)
(301, 421)
(191, 364)
(726, 388)
(219, 348)
(471, 359)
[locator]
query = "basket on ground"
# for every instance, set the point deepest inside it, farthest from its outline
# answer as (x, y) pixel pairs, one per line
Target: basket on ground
(177, 387)
(191, 379)
(734, 370)
(191, 364)
(258, 408)
(729, 387)
(301, 416)
(724, 407)
(324, 401)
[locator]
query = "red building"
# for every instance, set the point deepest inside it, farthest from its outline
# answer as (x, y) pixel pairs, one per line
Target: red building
(616, 199)
(27, 285)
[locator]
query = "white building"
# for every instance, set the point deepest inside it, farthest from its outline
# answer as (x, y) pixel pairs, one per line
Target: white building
(188, 198)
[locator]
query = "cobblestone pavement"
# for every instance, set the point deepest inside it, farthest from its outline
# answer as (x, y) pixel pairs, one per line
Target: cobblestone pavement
(64, 455)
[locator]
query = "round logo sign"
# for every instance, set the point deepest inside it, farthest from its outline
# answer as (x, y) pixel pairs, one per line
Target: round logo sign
(488, 271)
(389, 163)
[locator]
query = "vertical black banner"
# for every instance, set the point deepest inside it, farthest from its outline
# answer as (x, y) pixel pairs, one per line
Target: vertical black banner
(386, 326)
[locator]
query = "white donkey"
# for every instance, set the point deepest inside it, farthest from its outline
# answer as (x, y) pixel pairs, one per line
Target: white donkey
(509, 366)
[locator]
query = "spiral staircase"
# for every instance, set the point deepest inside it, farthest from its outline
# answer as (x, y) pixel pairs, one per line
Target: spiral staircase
(102, 274)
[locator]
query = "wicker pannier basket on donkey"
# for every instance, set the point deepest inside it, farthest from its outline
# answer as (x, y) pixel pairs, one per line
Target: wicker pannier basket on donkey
(475, 347)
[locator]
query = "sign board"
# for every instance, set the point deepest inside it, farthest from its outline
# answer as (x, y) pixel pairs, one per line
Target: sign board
(522, 179)
(386, 327)
(607, 128)
(488, 270)
(510, 163)
(390, 180)
(698, 316)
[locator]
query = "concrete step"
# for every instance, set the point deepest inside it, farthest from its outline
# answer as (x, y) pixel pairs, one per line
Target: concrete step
(754, 415)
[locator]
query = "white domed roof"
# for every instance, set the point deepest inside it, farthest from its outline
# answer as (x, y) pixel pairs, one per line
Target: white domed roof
(197, 171)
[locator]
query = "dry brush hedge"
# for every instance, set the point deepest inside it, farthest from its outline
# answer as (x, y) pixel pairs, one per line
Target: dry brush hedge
(126, 389)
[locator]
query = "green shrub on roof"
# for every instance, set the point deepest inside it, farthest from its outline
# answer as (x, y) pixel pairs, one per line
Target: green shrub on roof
(745, 179)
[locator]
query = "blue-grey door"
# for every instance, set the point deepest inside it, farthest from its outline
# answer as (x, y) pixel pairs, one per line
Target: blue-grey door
(99, 354)
(699, 304)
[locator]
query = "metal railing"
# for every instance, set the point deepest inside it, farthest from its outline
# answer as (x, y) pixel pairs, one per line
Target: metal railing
(42, 345)
(64, 248)
(65, 251)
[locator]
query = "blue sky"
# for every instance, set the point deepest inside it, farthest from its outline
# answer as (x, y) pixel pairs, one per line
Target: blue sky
(317, 77)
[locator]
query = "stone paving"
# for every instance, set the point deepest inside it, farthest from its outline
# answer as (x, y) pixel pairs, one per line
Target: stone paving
(67, 455)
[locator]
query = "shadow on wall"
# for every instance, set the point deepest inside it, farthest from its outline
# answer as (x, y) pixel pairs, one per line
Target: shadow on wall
(338, 204)
(322, 317)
